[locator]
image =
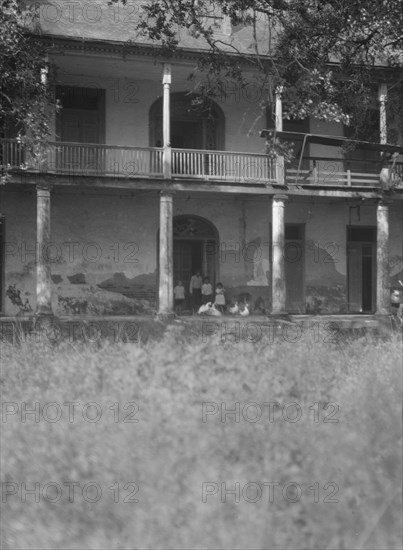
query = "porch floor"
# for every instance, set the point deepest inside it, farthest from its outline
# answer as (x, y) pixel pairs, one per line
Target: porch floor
(136, 328)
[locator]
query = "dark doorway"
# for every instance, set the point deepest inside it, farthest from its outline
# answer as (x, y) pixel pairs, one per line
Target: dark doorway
(81, 120)
(193, 125)
(300, 126)
(363, 160)
(294, 267)
(2, 263)
(188, 258)
(361, 269)
(195, 248)
(187, 135)
(367, 282)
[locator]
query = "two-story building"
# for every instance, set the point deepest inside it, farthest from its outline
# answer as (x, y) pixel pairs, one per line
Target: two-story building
(140, 188)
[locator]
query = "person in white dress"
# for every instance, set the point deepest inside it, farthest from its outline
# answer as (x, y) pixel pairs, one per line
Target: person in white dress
(220, 297)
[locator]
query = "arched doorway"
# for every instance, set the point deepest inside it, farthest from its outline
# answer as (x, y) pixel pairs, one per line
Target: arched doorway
(195, 248)
(193, 125)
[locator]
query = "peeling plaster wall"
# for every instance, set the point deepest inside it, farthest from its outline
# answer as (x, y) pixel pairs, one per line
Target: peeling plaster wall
(113, 259)
(102, 252)
(19, 209)
(326, 251)
(104, 248)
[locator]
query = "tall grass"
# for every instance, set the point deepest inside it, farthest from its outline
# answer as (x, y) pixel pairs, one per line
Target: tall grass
(171, 452)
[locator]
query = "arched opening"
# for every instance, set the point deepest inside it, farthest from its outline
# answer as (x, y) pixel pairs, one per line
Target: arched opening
(193, 125)
(195, 248)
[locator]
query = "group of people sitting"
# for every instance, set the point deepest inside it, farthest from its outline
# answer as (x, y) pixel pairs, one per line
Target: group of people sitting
(200, 292)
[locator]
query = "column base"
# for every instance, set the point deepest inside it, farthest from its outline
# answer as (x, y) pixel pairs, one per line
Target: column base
(43, 320)
(43, 312)
(385, 325)
(282, 315)
(165, 316)
(383, 312)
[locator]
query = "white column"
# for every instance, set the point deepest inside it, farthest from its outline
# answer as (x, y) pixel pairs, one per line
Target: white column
(382, 259)
(280, 175)
(278, 257)
(383, 98)
(43, 267)
(166, 302)
(166, 121)
(382, 218)
(383, 132)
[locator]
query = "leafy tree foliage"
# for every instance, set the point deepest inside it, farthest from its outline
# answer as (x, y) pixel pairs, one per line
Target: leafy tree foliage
(24, 93)
(326, 55)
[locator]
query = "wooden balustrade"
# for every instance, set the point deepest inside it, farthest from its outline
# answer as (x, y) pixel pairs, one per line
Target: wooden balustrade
(222, 166)
(115, 161)
(107, 160)
(338, 172)
(86, 159)
(12, 153)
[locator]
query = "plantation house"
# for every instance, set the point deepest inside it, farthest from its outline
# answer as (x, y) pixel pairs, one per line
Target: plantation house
(138, 189)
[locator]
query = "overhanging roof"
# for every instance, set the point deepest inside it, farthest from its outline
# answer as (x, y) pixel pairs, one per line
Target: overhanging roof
(335, 141)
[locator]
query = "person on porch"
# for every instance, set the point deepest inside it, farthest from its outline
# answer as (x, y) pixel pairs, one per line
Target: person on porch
(220, 297)
(179, 295)
(195, 290)
(207, 291)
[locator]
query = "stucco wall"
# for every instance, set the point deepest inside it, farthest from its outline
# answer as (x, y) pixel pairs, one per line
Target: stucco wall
(131, 87)
(104, 248)
(129, 96)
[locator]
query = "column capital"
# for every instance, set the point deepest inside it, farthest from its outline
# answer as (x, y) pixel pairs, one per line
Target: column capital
(383, 202)
(279, 91)
(167, 77)
(280, 198)
(44, 188)
(383, 92)
(167, 193)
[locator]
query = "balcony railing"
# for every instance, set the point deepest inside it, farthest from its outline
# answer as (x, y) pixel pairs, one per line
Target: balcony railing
(222, 166)
(85, 159)
(340, 172)
(79, 159)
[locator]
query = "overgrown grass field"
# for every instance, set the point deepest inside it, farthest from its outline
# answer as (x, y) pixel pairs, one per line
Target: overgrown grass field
(177, 452)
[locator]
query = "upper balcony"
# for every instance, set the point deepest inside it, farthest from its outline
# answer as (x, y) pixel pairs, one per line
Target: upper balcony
(79, 161)
(118, 113)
